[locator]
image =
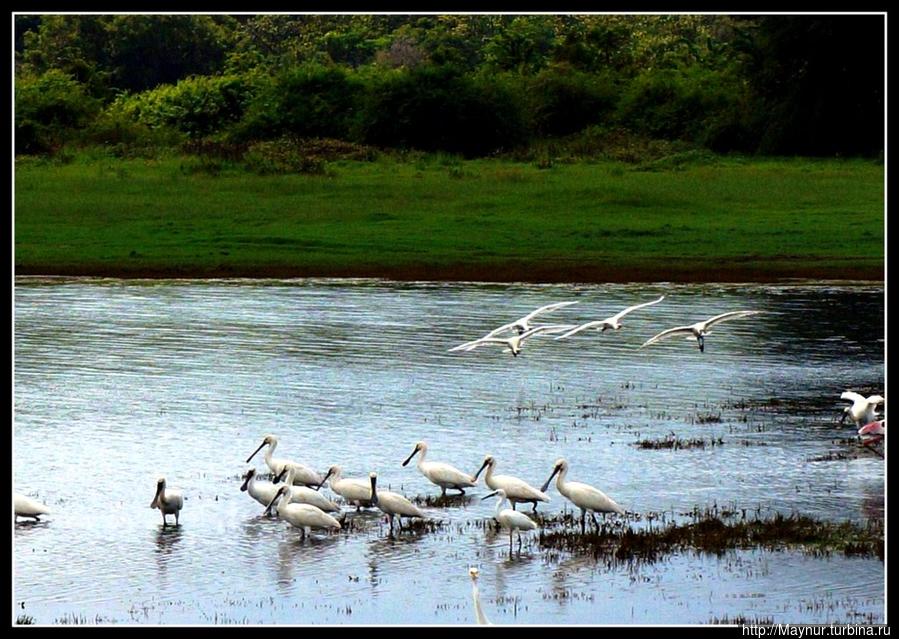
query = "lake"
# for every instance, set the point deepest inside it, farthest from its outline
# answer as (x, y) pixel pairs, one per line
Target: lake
(118, 382)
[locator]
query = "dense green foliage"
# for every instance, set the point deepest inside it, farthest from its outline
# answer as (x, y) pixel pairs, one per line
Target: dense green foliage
(474, 85)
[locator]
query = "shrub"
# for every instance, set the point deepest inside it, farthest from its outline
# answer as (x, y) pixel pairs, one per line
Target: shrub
(308, 101)
(48, 109)
(565, 101)
(436, 109)
(197, 106)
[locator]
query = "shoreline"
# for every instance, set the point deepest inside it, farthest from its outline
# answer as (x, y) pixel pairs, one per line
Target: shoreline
(501, 273)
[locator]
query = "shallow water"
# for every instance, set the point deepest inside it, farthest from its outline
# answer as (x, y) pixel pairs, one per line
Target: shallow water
(118, 382)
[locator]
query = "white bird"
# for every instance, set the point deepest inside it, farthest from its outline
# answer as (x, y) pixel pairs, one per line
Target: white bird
(443, 475)
(169, 501)
(354, 491)
(302, 516)
(863, 409)
(304, 475)
(28, 507)
(513, 343)
(583, 496)
(263, 491)
(523, 324)
(515, 489)
(393, 504)
(613, 322)
(478, 611)
(700, 329)
(509, 518)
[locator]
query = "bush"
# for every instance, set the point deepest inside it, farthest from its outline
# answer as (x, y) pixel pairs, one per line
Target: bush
(309, 101)
(283, 156)
(565, 101)
(436, 109)
(197, 106)
(674, 104)
(49, 109)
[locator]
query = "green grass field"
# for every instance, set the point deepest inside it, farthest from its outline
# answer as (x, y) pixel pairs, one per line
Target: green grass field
(439, 218)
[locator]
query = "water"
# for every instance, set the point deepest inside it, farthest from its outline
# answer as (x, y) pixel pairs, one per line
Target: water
(119, 382)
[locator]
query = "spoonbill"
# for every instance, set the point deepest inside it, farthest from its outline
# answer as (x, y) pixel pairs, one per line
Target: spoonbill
(515, 489)
(305, 495)
(613, 322)
(304, 475)
(443, 475)
(169, 501)
(28, 507)
(509, 518)
(513, 343)
(354, 491)
(523, 324)
(263, 491)
(863, 410)
(302, 516)
(700, 329)
(583, 496)
(478, 611)
(393, 504)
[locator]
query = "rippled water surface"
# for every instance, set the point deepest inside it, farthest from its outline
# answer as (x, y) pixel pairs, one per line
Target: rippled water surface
(119, 382)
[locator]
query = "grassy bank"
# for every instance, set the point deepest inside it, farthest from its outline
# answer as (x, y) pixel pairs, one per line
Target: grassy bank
(707, 219)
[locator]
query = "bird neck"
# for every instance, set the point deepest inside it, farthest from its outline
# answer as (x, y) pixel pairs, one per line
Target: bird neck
(560, 479)
(478, 611)
(499, 504)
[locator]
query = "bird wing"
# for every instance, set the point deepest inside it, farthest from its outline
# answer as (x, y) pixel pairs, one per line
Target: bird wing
(546, 328)
(545, 309)
(677, 330)
(875, 399)
(441, 472)
(852, 397)
(582, 327)
(724, 317)
(618, 316)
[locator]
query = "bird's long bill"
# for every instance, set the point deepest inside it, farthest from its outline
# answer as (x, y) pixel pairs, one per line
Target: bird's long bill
(268, 509)
(281, 475)
(843, 418)
(483, 466)
(493, 494)
(255, 451)
(246, 482)
(328, 474)
(409, 458)
(546, 483)
(374, 493)
(155, 501)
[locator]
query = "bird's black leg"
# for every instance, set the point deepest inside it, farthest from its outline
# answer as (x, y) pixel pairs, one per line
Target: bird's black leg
(583, 521)
(701, 344)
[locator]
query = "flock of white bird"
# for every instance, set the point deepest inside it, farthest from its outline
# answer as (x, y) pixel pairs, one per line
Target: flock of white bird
(300, 502)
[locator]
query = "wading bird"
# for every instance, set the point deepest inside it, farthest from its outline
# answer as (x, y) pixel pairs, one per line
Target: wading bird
(873, 433)
(517, 490)
(513, 343)
(700, 329)
(28, 507)
(169, 501)
(263, 491)
(863, 409)
(510, 519)
(303, 474)
(523, 324)
(393, 504)
(479, 615)
(613, 323)
(302, 516)
(354, 491)
(443, 475)
(583, 496)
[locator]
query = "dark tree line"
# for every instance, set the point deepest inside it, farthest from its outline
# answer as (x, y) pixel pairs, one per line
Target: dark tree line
(476, 85)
